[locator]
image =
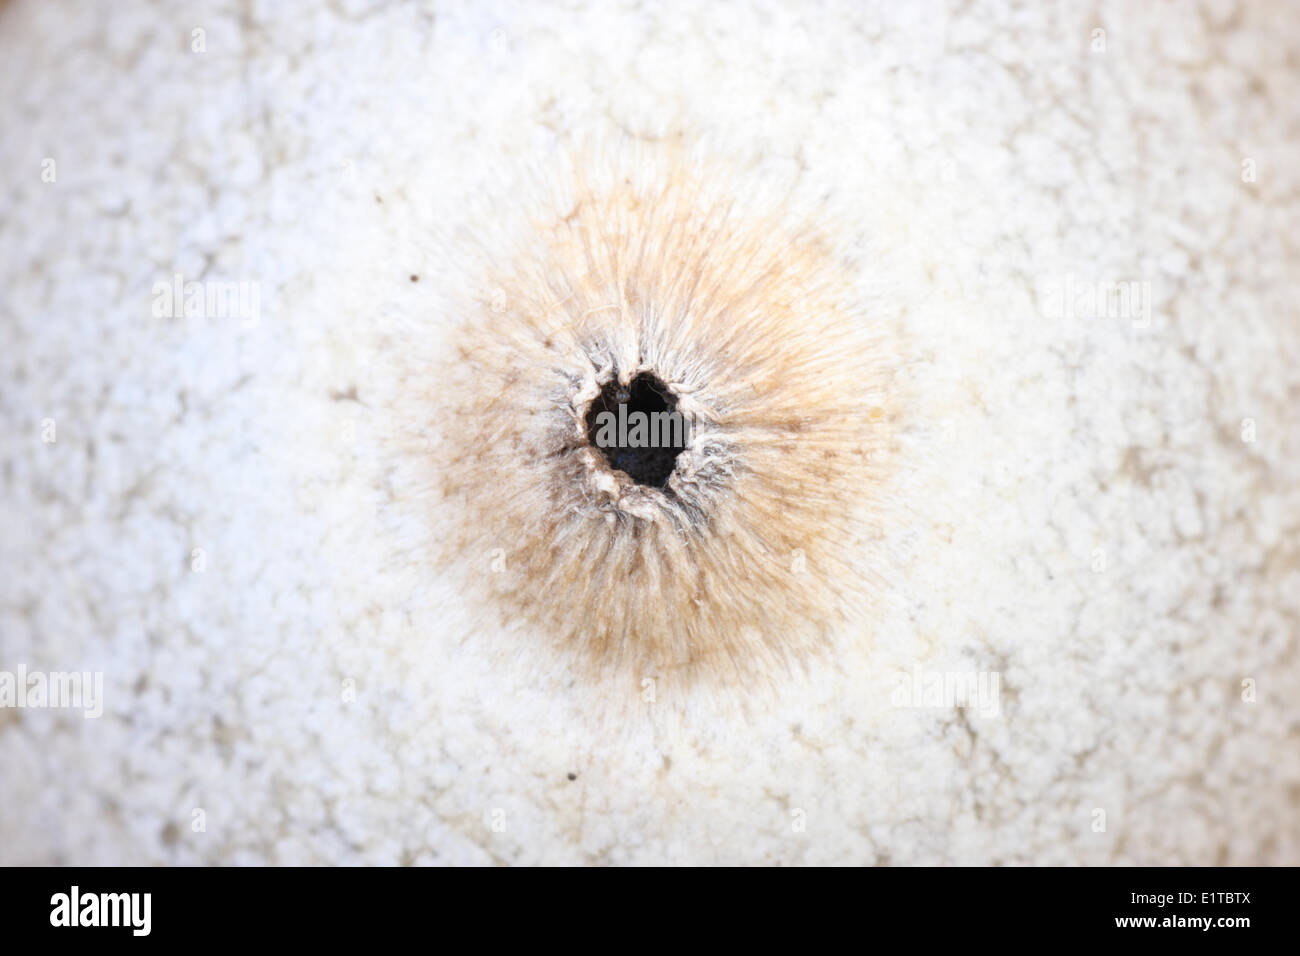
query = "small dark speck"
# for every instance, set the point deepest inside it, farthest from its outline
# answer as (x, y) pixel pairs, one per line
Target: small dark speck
(573, 776)
(415, 278)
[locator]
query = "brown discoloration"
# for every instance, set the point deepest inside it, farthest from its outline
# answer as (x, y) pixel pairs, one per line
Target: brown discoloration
(750, 321)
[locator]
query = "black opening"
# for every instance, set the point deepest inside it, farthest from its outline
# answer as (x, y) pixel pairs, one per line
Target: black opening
(647, 455)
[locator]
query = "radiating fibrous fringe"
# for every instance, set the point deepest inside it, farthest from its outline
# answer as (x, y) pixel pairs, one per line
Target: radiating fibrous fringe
(758, 548)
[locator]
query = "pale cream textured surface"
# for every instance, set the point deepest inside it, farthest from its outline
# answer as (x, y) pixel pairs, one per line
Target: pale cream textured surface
(1079, 512)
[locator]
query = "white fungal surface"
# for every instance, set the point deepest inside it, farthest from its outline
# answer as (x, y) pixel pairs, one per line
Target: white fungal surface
(1076, 220)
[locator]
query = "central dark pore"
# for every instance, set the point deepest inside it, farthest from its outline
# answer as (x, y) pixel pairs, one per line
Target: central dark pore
(645, 439)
